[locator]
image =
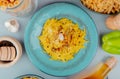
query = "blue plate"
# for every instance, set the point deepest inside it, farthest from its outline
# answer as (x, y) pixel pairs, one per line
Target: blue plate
(36, 53)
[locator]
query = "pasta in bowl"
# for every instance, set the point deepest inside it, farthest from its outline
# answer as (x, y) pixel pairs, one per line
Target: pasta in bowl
(62, 39)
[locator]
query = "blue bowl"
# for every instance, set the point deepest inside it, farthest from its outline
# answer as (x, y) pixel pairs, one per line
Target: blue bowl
(35, 51)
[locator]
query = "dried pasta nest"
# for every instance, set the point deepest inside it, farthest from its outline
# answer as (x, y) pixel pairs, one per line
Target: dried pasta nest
(103, 6)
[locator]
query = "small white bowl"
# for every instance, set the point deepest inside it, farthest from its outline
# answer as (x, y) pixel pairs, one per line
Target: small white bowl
(18, 48)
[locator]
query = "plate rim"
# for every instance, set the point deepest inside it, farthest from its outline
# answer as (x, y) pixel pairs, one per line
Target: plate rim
(29, 50)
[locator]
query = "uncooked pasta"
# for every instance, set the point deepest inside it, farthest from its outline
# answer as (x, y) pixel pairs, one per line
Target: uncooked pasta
(103, 6)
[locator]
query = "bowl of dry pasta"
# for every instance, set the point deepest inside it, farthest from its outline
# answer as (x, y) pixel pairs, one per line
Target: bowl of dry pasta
(18, 7)
(61, 42)
(102, 6)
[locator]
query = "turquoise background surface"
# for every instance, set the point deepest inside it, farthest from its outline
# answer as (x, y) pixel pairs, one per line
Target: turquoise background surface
(24, 65)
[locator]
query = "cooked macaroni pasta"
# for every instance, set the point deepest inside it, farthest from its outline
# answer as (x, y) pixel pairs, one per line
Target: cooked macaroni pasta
(62, 39)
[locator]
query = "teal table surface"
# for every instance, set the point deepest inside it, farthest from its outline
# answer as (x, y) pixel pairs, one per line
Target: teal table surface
(24, 65)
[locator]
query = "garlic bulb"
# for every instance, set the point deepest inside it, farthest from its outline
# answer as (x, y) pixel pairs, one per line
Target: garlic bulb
(113, 22)
(12, 25)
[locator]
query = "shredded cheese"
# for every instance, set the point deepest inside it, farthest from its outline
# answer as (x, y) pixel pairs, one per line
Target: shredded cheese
(62, 39)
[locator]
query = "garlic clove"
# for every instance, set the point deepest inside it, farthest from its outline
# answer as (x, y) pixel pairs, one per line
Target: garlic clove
(117, 21)
(110, 23)
(13, 53)
(9, 54)
(12, 25)
(7, 24)
(61, 37)
(0, 53)
(4, 53)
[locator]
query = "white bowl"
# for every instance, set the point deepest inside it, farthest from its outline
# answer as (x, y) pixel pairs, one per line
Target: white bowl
(18, 48)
